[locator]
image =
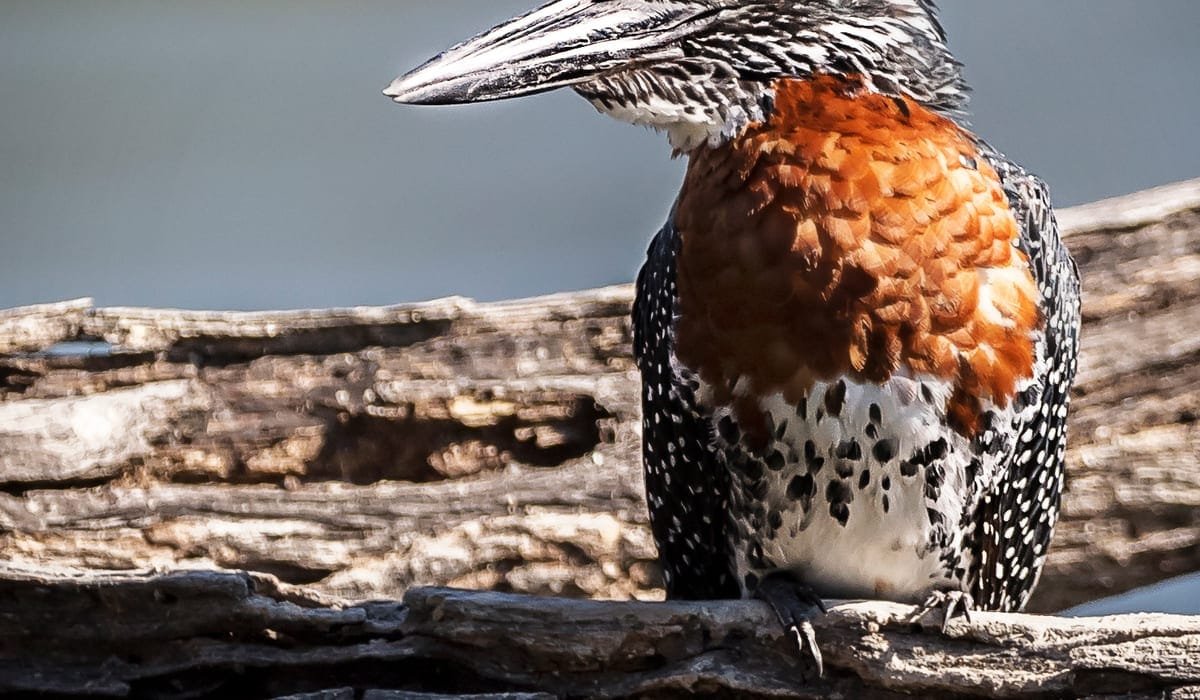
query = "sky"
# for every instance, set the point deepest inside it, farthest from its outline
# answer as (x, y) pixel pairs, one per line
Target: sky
(232, 154)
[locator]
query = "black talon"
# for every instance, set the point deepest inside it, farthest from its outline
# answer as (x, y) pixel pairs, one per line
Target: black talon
(950, 603)
(795, 605)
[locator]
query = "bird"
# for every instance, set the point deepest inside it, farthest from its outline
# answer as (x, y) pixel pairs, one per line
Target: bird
(858, 329)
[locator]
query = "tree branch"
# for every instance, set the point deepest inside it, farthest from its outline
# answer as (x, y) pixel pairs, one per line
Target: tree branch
(123, 633)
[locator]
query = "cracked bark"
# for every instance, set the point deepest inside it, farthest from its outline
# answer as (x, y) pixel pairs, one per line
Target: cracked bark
(236, 635)
(360, 452)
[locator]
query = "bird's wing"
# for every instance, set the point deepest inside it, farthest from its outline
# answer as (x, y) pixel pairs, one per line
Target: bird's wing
(686, 486)
(1016, 517)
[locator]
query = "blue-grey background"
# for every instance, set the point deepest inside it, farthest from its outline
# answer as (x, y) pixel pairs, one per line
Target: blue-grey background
(234, 154)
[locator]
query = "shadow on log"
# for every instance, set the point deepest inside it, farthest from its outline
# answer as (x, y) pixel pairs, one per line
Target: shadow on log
(362, 452)
(237, 635)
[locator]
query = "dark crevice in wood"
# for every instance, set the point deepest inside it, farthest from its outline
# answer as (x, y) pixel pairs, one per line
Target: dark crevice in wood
(15, 380)
(230, 351)
(19, 489)
(364, 449)
(288, 573)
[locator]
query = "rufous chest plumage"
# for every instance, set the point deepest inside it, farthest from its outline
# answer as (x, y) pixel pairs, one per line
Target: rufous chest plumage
(852, 301)
(852, 235)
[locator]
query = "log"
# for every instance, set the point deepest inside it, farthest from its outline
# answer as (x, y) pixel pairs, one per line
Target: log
(225, 634)
(361, 452)
(35, 327)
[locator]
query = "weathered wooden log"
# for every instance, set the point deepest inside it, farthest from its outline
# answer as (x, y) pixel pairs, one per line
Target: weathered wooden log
(35, 327)
(364, 451)
(237, 635)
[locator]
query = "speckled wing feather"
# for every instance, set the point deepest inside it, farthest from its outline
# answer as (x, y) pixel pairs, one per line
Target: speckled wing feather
(1015, 519)
(686, 486)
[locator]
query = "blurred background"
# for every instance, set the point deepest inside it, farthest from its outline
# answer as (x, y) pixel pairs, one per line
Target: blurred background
(231, 154)
(239, 155)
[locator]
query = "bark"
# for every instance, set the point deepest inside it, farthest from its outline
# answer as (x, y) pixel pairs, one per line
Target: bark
(236, 635)
(35, 327)
(360, 452)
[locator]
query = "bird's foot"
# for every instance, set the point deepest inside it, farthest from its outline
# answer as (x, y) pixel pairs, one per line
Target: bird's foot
(796, 605)
(950, 602)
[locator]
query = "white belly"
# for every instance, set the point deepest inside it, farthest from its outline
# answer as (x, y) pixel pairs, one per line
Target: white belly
(859, 524)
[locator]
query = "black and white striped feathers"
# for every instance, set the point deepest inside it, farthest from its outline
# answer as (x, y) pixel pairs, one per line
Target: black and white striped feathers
(697, 69)
(719, 75)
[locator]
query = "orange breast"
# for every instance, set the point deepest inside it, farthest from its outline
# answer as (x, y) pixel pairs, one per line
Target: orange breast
(852, 235)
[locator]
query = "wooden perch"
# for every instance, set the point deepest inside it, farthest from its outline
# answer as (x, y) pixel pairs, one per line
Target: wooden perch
(361, 452)
(236, 635)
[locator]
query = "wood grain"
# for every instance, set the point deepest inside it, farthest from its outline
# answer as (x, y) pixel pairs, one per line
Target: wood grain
(225, 634)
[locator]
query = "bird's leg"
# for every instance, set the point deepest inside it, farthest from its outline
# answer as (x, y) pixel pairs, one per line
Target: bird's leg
(795, 604)
(950, 603)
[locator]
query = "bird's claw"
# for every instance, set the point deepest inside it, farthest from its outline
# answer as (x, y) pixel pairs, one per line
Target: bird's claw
(950, 602)
(795, 605)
